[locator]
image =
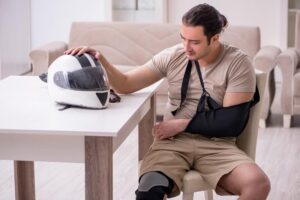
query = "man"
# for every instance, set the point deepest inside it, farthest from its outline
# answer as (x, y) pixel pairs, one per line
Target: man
(229, 79)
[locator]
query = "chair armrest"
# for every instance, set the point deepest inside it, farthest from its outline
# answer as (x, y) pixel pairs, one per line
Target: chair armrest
(287, 63)
(43, 56)
(265, 59)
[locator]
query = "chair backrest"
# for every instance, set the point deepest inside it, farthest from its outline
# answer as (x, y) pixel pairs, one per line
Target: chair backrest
(247, 140)
(247, 38)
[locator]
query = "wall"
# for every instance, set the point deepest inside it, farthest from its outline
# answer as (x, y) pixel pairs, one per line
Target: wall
(14, 37)
(51, 19)
(269, 15)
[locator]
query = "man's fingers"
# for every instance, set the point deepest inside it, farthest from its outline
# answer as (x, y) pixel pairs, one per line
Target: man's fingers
(162, 137)
(77, 51)
(97, 55)
(68, 51)
(153, 132)
(83, 50)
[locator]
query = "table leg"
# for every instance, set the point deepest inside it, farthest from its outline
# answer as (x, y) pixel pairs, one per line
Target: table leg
(98, 168)
(24, 180)
(145, 129)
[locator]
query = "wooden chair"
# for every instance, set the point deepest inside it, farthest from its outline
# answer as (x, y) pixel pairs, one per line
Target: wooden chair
(194, 182)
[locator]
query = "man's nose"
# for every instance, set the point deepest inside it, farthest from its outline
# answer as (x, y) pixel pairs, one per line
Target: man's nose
(187, 46)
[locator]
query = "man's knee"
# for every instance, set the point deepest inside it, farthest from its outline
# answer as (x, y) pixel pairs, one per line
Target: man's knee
(153, 186)
(263, 184)
(258, 185)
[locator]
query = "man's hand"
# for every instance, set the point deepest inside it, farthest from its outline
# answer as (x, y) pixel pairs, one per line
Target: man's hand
(169, 128)
(84, 49)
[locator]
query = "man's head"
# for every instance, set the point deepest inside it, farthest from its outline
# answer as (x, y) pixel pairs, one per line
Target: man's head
(200, 30)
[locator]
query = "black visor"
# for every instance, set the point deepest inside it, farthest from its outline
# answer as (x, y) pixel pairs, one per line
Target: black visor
(85, 79)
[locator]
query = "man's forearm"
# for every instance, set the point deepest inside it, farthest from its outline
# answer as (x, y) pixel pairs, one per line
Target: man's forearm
(182, 124)
(117, 79)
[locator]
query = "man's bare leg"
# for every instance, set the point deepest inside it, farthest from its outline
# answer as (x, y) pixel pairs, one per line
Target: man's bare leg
(248, 181)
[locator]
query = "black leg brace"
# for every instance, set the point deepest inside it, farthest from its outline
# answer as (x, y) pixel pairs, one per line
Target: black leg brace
(154, 186)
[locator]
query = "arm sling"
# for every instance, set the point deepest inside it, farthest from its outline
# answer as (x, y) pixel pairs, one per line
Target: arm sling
(216, 121)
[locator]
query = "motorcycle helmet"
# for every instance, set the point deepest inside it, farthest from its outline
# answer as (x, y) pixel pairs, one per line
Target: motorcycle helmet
(78, 80)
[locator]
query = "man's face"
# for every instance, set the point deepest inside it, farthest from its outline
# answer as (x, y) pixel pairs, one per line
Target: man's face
(195, 42)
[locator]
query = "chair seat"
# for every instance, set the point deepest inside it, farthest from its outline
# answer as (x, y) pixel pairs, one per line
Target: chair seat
(193, 181)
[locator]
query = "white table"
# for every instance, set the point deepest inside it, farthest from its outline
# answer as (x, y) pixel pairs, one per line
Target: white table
(32, 129)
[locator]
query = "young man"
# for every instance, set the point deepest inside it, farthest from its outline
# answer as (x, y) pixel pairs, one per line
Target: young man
(228, 77)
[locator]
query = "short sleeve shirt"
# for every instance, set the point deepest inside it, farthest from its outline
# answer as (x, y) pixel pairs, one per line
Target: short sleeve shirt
(232, 71)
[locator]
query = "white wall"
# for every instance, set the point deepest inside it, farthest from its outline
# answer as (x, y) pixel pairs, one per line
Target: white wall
(51, 19)
(14, 37)
(267, 14)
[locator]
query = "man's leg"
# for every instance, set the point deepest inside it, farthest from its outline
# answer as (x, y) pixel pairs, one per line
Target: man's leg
(248, 181)
(166, 162)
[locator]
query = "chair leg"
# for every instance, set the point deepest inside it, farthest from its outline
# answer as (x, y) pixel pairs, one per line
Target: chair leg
(187, 196)
(287, 121)
(208, 194)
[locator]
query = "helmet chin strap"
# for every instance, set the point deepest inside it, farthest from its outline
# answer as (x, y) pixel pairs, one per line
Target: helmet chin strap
(65, 107)
(43, 77)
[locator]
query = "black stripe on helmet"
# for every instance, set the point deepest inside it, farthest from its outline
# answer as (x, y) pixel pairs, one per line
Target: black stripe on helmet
(102, 97)
(94, 62)
(83, 60)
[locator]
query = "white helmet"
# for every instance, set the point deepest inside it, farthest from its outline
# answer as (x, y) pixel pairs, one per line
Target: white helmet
(78, 81)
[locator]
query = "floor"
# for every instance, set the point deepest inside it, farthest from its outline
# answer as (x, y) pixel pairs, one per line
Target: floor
(278, 153)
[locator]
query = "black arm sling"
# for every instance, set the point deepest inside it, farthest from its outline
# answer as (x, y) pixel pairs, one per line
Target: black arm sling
(217, 121)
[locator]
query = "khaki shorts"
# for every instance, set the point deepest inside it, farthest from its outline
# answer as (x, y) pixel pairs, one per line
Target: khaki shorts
(212, 157)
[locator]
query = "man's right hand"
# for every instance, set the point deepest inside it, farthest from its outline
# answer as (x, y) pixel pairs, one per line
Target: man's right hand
(170, 128)
(83, 49)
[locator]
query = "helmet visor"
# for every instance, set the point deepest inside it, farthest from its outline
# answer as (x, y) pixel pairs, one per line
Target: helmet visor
(85, 79)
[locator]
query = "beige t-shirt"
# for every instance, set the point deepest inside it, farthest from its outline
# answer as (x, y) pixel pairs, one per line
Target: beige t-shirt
(231, 72)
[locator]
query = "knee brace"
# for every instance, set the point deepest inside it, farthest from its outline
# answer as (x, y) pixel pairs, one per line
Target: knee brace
(154, 186)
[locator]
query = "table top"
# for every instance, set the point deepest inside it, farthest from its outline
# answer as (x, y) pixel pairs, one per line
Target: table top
(26, 108)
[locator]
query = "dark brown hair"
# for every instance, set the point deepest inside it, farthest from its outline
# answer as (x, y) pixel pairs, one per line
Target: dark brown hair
(207, 16)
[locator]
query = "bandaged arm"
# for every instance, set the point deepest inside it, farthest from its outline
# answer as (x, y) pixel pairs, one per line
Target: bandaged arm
(228, 121)
(224, 122)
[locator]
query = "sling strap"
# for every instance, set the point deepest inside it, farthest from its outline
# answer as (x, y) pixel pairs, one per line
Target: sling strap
(205, 96)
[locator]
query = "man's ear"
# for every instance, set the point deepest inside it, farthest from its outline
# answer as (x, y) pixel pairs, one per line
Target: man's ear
(215, 38)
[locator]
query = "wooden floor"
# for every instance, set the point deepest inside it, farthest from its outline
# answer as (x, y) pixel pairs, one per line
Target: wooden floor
(278, 153)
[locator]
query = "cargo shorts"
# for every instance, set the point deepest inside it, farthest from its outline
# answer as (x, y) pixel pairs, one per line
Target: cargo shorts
(212, 157)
